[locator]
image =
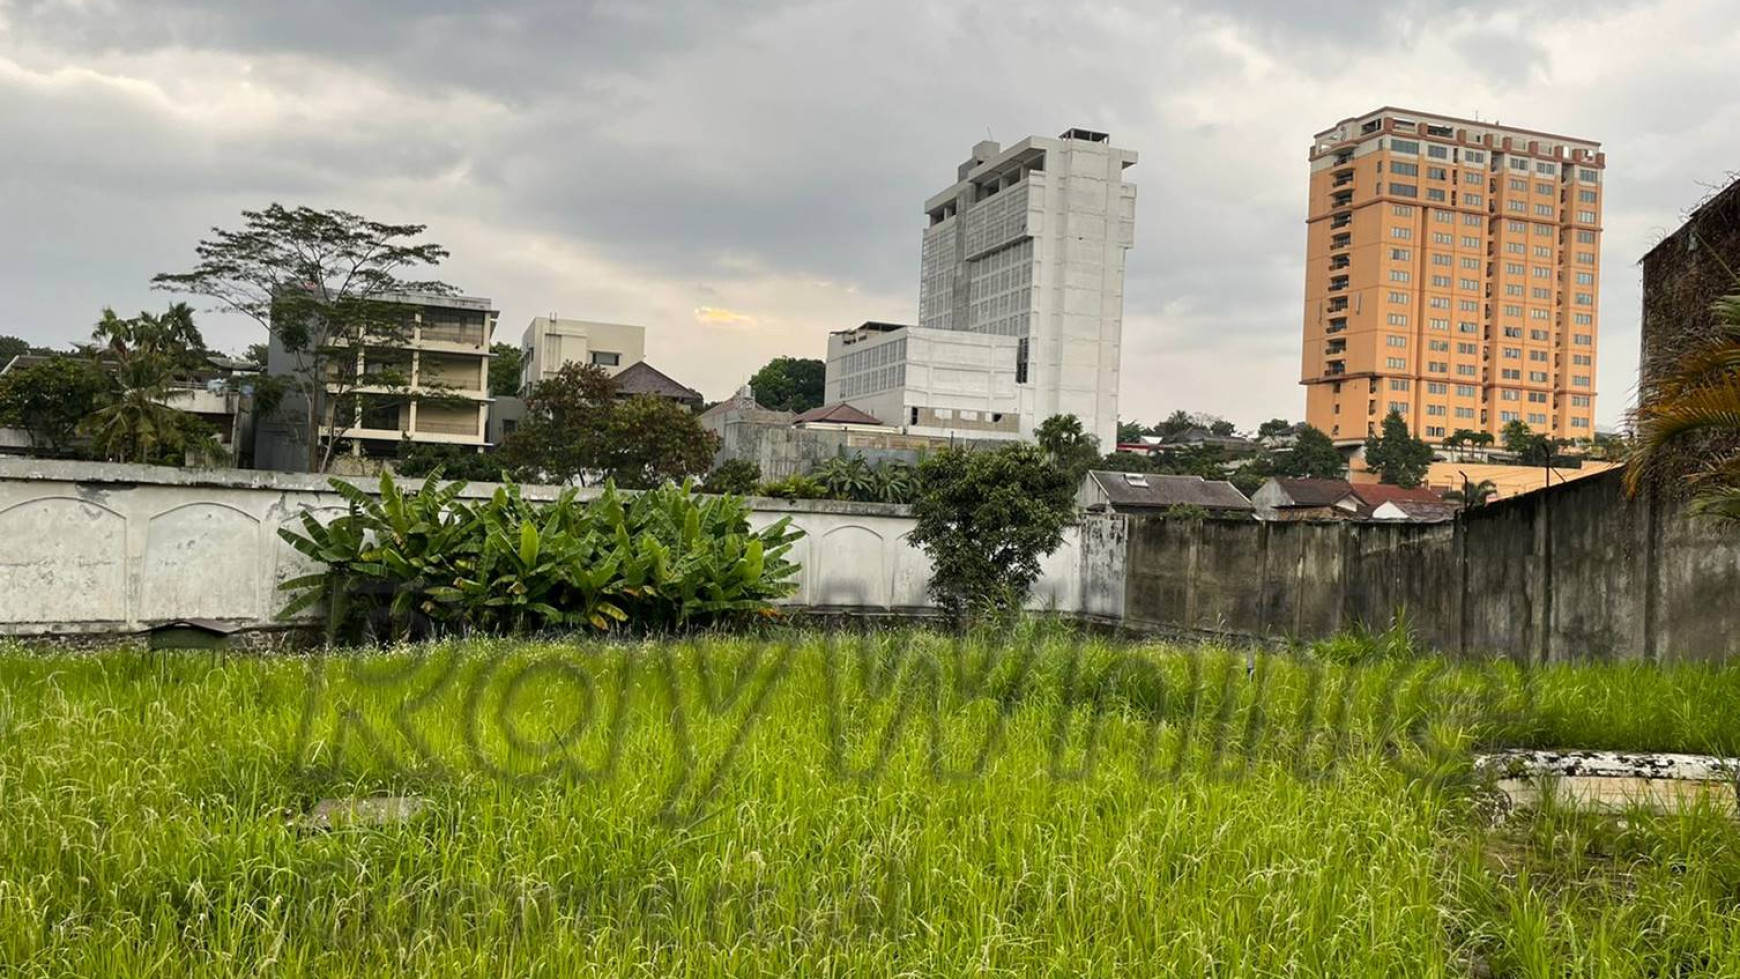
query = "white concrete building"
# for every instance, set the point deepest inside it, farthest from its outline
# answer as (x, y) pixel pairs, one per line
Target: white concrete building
(550, 342)
(943, 383)
(1029, 243)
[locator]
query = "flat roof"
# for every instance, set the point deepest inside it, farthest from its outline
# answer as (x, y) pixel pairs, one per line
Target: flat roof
(1398, 110)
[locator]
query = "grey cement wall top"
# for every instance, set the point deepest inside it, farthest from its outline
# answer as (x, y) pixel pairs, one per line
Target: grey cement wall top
(132, 474)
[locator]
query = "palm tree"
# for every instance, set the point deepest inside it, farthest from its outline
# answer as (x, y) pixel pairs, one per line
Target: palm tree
(147, 353)
(1700, 396)
(1473, 494)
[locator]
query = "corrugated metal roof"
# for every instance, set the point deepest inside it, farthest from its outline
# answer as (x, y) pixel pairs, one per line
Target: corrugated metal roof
(1314, 492)
(1155, 490)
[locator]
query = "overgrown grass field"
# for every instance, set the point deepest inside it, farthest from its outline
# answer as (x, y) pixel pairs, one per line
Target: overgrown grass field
(899, 804)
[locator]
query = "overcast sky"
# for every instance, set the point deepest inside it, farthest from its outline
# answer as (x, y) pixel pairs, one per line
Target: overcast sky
(742, 178)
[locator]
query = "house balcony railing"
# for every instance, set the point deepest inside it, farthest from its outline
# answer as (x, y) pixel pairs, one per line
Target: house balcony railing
(1341, 221)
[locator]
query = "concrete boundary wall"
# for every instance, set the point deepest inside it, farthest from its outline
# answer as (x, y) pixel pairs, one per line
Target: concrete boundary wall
(89, 548)
(1578, 572)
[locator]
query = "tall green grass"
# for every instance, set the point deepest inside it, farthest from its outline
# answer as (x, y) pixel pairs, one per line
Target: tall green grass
(893, 804)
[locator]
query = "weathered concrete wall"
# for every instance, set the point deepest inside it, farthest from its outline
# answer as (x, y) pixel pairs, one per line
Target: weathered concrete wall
(93, 548)
(1579, 572)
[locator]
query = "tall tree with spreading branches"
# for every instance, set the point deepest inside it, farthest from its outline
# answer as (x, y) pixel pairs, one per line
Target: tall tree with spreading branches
(319, 283)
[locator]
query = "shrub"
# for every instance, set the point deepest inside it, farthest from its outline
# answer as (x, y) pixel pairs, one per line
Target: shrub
(407, 564)
(795, 488)
(735, 476)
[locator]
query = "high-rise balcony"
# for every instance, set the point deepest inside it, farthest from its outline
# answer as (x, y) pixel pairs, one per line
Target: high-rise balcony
(1341, 198)
(1340, 262)
(1338, 283)
(1335, 348)
(1340, 241)
(1338, 325)
(1342, 178)
(1335, 368)
(1341, 220)
(1338, 304)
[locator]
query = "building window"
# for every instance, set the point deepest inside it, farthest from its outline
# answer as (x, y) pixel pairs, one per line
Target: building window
(1399, 297)
(1408, 146)
(1473, 200)
(604, 358)
(1403, 233)
(1396, 341)
(1400, 254)
(1398, 319)
(1401, 275)
(1585, 217)
(1405, 169)
(1404, 190)
(1402, 210)
(1585, 197)
(1395, 363)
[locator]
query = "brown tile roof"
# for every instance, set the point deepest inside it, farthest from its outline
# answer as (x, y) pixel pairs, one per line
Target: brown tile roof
(1314, 492)
(643, 378)
(1373, 495)
(839, 413)
(1155, 490)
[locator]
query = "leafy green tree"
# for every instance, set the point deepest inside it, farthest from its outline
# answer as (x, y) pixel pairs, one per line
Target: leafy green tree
(50, 399)
(319, 283)
(11, 347)
(1397, 456)
(1127, 462)
(257, 353)
(578, 430)
(1274, 426)
(505, 362)
(738, 477)
(1467, 436)
(1531, 448)
(1251, 476)
(1312, 455)
(1222, 428)
(790, 384)
(986, 519)
(1207, 461)
(1068, 445)
(652, 441)
(1130, 431)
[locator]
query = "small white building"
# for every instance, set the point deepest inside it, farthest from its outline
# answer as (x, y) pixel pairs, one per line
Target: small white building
(549, 343)
(941, 383)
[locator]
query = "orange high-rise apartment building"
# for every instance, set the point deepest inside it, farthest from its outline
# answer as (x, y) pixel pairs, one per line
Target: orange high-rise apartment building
(1451, 275)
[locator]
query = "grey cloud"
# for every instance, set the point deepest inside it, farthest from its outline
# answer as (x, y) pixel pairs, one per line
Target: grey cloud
(684, 139)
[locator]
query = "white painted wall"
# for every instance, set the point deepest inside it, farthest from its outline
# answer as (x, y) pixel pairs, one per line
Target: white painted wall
(548, 344)
(101, 548)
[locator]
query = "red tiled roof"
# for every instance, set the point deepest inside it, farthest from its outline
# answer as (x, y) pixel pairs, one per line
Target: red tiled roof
(1374, 495)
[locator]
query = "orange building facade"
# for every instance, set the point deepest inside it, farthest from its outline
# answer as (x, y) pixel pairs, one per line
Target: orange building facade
(1452, 274)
